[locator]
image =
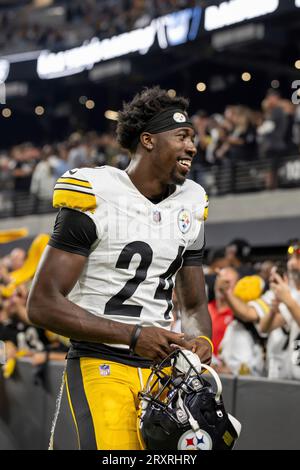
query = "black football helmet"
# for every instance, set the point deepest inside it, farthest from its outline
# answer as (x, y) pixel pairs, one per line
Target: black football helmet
(182, 410)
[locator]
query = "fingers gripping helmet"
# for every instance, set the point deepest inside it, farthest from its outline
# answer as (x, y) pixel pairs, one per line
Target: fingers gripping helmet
(182, 410)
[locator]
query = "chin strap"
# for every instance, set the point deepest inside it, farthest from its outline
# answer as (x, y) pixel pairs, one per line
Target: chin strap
(194, 424)
(214, 374)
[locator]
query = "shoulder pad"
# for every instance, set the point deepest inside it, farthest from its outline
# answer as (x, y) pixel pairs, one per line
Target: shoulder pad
(74, 190)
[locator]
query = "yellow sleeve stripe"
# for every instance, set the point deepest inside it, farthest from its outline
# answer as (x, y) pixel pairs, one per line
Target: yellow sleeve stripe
(205, 215)
(265, 307)
(74, 200)
(75, 181)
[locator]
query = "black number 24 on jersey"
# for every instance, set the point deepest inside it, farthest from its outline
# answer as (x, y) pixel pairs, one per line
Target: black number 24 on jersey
(116, 306)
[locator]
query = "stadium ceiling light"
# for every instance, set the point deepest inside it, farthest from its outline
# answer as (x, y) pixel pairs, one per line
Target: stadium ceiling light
(172, 93)
(297, 64)
(246, 77)
(275, 83)
(6, 112)
(90, 104)
(201, 86)
(112, 115)
(39, 110)
(82, 99)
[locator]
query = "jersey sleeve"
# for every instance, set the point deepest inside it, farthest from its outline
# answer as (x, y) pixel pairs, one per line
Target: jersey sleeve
(74, 232)
(73, 190)
(262, 305)
(193, 255)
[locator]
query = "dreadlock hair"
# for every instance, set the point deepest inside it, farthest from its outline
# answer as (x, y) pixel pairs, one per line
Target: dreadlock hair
(135, 115)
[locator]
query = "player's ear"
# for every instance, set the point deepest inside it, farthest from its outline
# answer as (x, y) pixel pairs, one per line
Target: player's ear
(147, 141)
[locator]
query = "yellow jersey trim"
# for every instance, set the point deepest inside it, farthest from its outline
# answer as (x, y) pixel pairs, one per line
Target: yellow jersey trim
(74, 181)
(265, 307)
(206, 207)
(72, 410)
(74, 199)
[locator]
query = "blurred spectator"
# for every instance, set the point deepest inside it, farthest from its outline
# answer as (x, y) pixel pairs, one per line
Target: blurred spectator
(290, 111)
(264, 271)
(15, 259)
(220, 312)
(237, 253)
(240, 144)
(242, 347)
(43, 178)
(216, 260)
(25, 161)
(62, 164)
(202, 139)
(78, 156)
(283, 316)
(272, 134)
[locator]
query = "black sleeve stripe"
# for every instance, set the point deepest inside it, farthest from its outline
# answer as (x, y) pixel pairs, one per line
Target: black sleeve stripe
(74, 190)
(72, 177)
(193, 257)
(63, 183)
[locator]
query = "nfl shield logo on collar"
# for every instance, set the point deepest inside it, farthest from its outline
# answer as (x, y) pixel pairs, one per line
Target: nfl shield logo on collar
(156, 216)
(104, 370)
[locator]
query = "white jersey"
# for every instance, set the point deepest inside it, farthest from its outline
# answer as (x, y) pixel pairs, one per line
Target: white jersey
(130, 272)
(240, 352)
(293, 358)
(283, 346)
(276, 346)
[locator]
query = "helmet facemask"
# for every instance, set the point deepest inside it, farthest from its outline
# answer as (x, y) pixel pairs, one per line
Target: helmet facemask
(182, 410)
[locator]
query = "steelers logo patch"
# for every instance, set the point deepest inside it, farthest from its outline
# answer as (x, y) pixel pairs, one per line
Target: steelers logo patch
(179, 117)
(184, 220)
(189, 441)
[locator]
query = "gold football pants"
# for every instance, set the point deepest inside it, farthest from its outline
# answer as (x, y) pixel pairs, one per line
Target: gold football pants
(103, 400)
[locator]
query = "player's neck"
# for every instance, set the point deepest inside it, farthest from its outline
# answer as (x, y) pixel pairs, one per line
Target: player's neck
(150, 186)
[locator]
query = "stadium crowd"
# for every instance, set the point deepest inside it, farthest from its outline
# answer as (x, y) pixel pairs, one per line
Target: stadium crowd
(21, 30)
(255, 311)
(231, 146)
(22, 339)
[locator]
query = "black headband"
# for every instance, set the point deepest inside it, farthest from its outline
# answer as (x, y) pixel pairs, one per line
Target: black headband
(171, 118)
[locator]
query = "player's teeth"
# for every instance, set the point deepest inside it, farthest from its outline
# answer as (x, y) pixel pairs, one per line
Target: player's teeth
(185, 162)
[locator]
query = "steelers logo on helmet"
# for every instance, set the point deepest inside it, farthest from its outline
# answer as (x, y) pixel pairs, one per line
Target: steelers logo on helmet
(179, 117)
(190, 441)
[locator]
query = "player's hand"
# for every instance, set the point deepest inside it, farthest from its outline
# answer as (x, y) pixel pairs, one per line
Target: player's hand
(155, 343)
(280, 288)
(201, 347)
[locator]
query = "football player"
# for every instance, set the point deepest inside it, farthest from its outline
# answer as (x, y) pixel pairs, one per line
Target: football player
(107, 276)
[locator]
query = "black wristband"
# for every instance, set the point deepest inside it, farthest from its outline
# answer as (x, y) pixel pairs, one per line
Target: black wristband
(134, 337)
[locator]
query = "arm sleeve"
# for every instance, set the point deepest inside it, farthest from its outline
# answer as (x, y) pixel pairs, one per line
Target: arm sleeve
(193, 256)
(74, 232)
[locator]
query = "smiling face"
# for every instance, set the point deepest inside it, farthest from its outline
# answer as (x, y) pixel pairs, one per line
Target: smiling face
(173, 152)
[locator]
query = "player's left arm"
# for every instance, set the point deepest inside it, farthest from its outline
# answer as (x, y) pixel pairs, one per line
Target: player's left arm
(196, 320)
